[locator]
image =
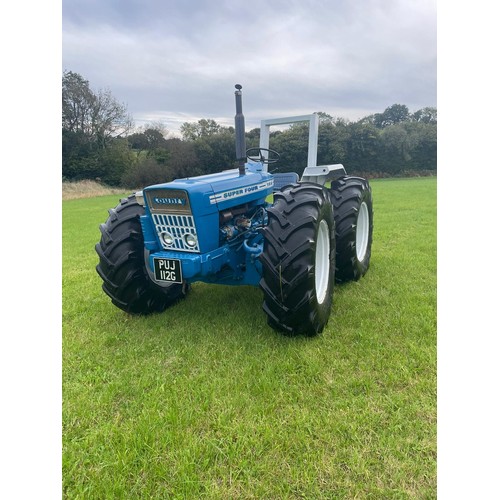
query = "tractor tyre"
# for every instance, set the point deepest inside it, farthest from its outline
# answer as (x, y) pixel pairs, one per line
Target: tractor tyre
(122, 266)
(298, 260)
(353, 209)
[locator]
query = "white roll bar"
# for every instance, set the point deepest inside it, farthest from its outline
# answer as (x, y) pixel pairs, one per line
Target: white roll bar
(312, 172)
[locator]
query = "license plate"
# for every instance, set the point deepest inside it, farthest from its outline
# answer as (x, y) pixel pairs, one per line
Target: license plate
(168, 270)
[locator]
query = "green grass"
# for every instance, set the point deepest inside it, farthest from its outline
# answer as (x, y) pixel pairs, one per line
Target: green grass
(206, 401)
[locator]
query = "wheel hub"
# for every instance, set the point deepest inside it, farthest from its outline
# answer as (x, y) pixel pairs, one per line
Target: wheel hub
(362, 232)
(322, 262)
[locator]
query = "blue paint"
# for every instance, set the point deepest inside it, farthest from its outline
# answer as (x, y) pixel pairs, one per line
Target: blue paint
(225, 258)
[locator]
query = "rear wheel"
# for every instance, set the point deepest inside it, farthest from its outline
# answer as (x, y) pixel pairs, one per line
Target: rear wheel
(298, 261)
(353, 208)
(123, 267)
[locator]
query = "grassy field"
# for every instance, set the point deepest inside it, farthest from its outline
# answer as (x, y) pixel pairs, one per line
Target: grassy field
(86, 189)
(206, 401)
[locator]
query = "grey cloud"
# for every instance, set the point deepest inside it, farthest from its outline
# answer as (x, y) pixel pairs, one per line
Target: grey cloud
(176, 59)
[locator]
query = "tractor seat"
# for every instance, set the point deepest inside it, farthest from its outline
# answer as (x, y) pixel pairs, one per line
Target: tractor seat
(283, 179)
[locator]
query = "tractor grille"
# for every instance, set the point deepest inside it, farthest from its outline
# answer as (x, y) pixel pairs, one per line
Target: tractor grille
(172, 218)
(178, 226)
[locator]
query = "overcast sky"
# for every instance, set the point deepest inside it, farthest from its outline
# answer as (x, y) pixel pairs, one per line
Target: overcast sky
(178, 60)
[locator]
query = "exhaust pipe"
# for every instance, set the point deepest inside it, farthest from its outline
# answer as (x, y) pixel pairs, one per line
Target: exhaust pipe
(239, 129)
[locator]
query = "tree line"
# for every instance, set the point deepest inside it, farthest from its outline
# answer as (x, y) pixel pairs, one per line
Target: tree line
(99, 141)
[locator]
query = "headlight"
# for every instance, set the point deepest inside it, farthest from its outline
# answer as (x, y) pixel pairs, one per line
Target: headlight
(190, 240)
(167, 238)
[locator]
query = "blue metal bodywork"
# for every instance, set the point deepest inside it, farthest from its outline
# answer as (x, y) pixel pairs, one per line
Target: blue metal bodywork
(226, 253)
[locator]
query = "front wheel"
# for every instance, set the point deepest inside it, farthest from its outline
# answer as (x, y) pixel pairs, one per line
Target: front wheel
(353, 208)
(123, 266)
(298, 260)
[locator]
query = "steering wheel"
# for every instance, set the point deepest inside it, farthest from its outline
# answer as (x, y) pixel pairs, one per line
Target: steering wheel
(272, 156)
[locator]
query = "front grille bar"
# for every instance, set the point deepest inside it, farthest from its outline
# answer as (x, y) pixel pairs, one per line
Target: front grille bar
(178, 226)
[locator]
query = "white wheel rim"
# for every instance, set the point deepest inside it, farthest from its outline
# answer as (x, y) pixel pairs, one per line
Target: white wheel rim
(362, 232)
(322, 262)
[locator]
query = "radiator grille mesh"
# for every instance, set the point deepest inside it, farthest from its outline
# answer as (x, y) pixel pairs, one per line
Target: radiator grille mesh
(178, 226)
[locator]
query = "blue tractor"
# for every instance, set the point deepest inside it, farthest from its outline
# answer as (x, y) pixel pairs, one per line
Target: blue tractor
(221, 229)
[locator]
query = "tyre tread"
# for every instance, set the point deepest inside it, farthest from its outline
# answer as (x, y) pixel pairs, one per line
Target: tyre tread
(121, 263)
(348, 193)
(288, 260)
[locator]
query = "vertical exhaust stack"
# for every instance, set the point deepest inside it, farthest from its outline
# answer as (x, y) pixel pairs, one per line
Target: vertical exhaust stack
(239, 128)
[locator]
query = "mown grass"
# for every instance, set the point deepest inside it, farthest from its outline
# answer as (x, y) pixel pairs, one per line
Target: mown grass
(206, 401)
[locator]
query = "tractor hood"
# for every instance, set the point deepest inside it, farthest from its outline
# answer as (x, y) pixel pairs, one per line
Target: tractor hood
(214, 192)
(192, 205)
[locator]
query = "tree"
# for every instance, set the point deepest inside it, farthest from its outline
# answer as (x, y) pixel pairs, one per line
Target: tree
(109, 118)
(78, 103)
(91, 122)
(422, 139)
(333, 142)
(215, 152)
(397, 113)
(362, 147)
(203, 128)
(114, 160)
(151, 140)
(154, 139)
(96, 117)
(324, 118)
(252, 138)
(96, 142)
(79, 159)
(182, 158)
(395, 148)
(291, 144)
(145, 172)
(425, 115)
(138, 141)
